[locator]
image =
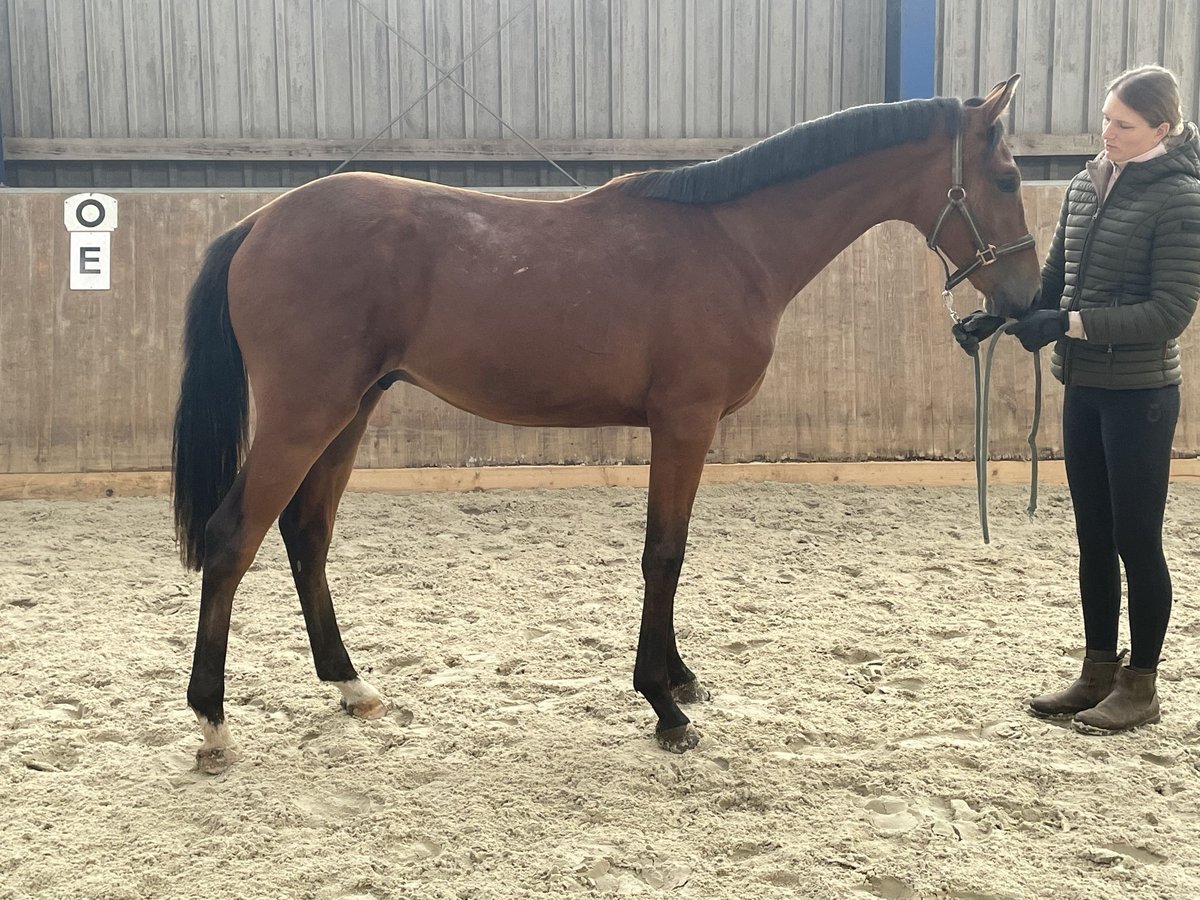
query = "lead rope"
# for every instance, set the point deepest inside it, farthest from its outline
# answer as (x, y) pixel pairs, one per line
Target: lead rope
(982, 391)
(1033, 430)
(983, 384)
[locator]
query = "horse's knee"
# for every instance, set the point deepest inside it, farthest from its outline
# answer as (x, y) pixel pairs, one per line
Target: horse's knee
(662, 561)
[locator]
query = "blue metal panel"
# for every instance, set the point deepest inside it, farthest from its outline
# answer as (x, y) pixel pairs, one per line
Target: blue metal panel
(918, 36)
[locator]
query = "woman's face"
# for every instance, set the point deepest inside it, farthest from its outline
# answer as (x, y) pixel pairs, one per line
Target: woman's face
(1126, 134)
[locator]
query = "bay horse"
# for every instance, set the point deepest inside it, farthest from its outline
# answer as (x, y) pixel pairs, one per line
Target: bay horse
(651, 301)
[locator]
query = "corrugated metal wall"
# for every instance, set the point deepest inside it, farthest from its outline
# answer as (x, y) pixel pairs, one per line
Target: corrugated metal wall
(563, 69)
(1067, 52)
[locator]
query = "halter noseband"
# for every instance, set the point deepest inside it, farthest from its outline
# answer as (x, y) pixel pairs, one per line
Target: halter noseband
(985, 253)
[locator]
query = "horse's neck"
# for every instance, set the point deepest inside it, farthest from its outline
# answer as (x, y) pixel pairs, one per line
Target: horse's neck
(794, 230)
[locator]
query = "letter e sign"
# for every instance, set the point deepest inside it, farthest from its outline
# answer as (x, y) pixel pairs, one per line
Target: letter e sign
(91, 219)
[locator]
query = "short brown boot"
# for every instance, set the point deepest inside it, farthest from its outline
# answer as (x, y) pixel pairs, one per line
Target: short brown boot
(1133, 702)
(1093, 685)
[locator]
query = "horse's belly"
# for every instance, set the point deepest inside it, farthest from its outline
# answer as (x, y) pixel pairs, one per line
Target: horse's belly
(516, 401)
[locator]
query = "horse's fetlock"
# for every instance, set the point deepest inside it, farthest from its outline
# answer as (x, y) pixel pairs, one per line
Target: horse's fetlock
(650, 683)
(206, 697)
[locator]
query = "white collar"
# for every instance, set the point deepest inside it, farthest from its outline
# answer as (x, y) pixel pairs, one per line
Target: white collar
(1159, 149)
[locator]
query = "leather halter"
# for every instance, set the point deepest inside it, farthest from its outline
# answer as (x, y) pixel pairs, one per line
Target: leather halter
(985, 253)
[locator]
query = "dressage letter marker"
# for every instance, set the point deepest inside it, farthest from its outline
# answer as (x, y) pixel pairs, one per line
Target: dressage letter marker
(91, 219)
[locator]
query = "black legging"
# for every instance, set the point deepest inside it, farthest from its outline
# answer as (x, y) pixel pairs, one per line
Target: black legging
(1117, 448)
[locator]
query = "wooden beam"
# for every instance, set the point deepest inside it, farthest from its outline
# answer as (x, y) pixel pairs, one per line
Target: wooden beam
(292, 150)
(84, 485)
(402, 481)
(1028, 145)
(99, 485)
(314, 150)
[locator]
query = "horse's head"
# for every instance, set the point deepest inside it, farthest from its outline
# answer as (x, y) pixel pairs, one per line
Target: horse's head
(981, 226)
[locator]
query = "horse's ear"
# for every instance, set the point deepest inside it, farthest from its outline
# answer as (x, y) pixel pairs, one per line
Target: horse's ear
(998, 98)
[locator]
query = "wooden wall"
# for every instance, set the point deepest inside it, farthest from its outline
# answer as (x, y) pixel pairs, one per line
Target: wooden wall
(261, 70)
(864, 369)
(1067, 53)
(192, 93)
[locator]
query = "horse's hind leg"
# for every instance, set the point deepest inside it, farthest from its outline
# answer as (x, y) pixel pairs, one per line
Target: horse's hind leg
(678, 448)
(307, 529)
(286, 444)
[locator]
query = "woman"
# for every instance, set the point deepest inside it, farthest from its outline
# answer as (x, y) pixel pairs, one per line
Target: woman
(1119, 285)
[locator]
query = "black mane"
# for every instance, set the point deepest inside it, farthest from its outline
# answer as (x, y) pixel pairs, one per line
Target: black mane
(800, 151)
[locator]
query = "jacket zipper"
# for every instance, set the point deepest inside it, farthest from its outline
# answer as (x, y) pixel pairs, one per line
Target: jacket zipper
(1084, 259)
(1113, 305)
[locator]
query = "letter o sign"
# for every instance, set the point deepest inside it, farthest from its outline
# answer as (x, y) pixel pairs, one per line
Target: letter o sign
(91, 219)
(90, 213)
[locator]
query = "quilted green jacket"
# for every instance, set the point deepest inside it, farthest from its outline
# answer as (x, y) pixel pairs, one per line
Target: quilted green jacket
(1131, 266)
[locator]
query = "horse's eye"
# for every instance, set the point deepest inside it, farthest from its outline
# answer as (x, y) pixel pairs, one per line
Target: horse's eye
(1009, 184)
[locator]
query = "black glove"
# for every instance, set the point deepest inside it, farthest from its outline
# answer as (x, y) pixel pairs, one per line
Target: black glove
(973, 328)
(1040, 327)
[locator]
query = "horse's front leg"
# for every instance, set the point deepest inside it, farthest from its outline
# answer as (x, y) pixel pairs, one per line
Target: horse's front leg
(678, 448)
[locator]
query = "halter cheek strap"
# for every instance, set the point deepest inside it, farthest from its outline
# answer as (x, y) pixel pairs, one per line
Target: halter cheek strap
(985, 253)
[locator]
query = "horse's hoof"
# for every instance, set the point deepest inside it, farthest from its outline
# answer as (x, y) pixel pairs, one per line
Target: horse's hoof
(690, 692)
(215, 754)
(214, 760)
(367, 708)
(680, 739)
(361, 700)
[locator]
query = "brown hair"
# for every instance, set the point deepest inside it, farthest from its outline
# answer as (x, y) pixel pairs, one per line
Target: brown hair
(1153, 93)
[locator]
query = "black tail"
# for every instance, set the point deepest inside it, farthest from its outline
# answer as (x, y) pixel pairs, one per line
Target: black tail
(211, 419)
